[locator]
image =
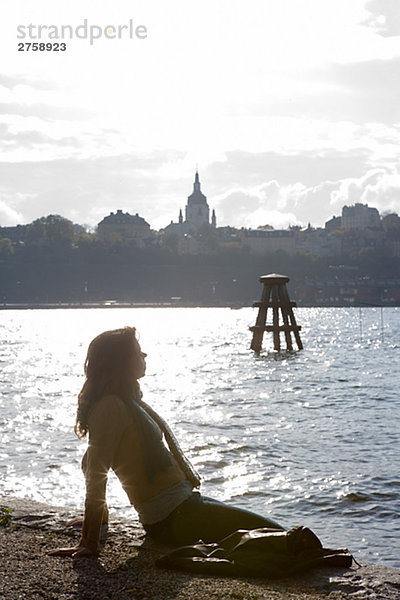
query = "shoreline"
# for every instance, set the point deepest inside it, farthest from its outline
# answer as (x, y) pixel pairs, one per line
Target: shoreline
(117, 304)
(125, 568)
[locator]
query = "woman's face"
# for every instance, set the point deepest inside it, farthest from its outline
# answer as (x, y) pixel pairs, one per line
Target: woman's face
(138, 360)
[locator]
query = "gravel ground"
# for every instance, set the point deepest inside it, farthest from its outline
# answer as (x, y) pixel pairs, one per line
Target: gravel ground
(125, 568)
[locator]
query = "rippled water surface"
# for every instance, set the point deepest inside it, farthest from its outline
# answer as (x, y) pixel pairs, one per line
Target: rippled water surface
(310, 438)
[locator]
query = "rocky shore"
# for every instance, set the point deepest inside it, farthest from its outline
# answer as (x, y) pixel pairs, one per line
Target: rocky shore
(125, 568)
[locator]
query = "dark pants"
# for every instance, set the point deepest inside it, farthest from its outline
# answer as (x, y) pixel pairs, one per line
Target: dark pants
(203, 518)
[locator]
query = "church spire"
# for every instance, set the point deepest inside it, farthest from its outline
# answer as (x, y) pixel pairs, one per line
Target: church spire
(196, 185)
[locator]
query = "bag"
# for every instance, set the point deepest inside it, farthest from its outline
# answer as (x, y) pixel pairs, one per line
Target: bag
(258, 553)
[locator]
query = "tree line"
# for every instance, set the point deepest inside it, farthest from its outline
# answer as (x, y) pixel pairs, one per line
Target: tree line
(55, 260)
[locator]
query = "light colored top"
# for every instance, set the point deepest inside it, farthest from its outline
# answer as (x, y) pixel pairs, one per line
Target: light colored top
(115, 443)
(158, 507)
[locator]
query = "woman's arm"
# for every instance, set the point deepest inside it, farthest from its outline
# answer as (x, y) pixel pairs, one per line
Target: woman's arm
(106, 425)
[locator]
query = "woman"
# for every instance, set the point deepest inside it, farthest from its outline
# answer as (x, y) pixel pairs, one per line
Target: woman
(126, 435)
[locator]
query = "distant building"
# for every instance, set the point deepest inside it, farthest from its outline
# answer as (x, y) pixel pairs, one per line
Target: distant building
(360, 216)
(197, 210)
(262, 241)
(197, 213)
(124, 226)
(195, 244)
(229, 237)
(394, 247)
(179, 229)
(333, 224)
(16, 233)
(318, 242)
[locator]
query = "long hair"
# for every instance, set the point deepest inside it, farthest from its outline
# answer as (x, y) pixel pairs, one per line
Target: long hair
(109, 369)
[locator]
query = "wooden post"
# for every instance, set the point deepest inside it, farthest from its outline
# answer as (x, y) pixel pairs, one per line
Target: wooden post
(275, 296)
(258, 329)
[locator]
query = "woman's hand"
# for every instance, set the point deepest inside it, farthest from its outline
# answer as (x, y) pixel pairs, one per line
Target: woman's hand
(74, 522)
(75, 552)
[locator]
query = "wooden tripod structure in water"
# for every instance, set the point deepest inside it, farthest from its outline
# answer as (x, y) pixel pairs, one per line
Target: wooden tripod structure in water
(275, 296)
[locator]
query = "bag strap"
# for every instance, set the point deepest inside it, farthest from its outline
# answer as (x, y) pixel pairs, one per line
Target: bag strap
(173, 444)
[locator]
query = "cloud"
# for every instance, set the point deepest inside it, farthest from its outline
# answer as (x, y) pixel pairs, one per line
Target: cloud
(359, 92)
(8, 215)
(369, 90)
(85, 190)
(308, 168)
(44, 111)
(31, 138)
(379, 187)
(278, 205)
(247, 190)
(11, 81)
(276, 219)
(253, 208)
(384, 17)
(297, 204)
(28, 96)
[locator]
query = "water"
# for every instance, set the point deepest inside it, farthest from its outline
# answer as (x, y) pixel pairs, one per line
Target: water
(310, 438)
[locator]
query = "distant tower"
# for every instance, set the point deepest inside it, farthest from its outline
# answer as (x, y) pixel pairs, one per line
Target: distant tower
(180, 220)
(197, 210)
(213, 219)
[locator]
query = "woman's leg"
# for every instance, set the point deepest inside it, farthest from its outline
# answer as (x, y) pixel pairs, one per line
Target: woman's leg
(210, 520)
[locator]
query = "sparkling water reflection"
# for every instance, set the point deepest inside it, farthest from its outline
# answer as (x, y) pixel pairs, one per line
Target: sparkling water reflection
(307, 438)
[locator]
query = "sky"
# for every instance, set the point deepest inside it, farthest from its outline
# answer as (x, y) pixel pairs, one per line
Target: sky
(288, 109)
